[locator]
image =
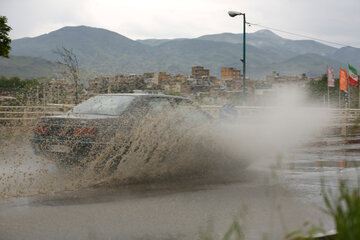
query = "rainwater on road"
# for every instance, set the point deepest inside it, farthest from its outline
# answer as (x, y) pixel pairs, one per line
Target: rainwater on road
(267, 201)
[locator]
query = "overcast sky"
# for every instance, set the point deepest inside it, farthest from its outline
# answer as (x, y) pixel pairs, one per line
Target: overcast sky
(332, 20)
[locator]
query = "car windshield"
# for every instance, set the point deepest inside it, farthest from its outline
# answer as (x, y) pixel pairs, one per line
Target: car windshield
(104, 105)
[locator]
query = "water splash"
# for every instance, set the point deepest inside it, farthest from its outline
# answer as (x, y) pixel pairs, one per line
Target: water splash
(165, 146)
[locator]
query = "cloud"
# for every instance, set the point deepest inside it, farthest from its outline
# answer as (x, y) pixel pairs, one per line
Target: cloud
(35, 17)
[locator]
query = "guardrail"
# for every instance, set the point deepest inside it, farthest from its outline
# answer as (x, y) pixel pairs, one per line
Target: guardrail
(342, 121)
(16, 114)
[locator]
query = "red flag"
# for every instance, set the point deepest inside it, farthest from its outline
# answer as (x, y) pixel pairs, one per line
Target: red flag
(343, 79)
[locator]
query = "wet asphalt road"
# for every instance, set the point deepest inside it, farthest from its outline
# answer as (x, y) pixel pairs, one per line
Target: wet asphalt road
(267, 201)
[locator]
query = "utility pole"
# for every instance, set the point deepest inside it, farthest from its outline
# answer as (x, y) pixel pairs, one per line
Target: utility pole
(243, 60)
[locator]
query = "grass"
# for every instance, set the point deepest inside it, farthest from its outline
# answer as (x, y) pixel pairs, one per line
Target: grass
(234, 232)
(345, 211)
(342, 206)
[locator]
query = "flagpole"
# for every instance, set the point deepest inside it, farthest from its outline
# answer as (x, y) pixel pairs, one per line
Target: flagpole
(328, 93)
(349, 102)
(328, 97)
(349, 86)
(339, 94)
(349, 93)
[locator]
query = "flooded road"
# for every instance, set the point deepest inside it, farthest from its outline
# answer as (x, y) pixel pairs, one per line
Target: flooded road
(267, 201)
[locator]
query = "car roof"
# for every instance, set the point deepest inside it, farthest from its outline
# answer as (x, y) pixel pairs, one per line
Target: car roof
(143, 95)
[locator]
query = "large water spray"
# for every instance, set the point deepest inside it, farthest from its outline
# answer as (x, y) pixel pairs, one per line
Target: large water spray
(167, 146)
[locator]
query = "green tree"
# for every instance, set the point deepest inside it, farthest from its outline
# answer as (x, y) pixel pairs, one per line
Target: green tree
(10, 84)
(318, 91)
(4, 38)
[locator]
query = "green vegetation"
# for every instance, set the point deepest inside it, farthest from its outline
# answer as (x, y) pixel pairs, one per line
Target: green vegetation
(4, 37)
(306, 233)
(26, 91)
(343, 207)
(318, 91)
(233, 233)
(15, 84)
(345, 211)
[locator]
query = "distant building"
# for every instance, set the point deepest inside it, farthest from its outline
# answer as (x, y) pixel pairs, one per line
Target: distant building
(149, 80)
(275, 77)
(230, 73)
(198, 72)
(181, 78)
(231, 78)
(161, 78)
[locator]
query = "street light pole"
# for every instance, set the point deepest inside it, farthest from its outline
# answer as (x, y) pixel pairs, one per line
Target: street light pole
(243, 60)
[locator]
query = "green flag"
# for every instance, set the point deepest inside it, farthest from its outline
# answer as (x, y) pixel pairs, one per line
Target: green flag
(353, 76)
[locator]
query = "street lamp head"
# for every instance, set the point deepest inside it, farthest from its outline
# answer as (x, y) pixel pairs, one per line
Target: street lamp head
(234, 13)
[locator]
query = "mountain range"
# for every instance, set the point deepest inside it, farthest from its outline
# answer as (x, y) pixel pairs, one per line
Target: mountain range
(101, 51)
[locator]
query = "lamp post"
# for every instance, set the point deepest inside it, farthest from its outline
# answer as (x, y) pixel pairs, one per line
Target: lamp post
(234, 14)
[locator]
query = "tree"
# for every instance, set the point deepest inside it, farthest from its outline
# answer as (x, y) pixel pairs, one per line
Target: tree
(69, 60)
(318, 91)
(4, 38)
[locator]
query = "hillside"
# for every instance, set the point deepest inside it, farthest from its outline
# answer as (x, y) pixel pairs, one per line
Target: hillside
(103, 51)
(307, 63)
(348, 55)
(266, 39)
(95, 48)
(27, 67)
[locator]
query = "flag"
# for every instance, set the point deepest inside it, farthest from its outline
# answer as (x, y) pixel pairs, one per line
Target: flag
(330, 74)
(343, 79)
(353, 76)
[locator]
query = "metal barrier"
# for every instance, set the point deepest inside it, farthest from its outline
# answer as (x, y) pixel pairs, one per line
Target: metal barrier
(343, 121)
(11, 114)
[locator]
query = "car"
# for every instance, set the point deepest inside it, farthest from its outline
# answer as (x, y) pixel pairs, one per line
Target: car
(89, 127)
